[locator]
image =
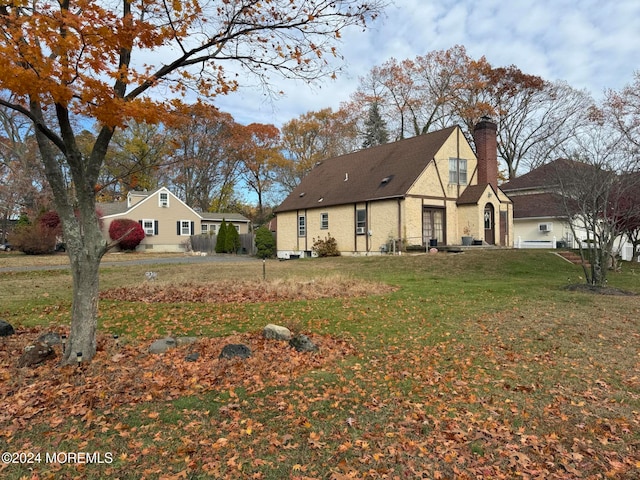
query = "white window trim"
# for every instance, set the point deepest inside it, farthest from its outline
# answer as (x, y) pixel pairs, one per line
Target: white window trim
(457, 171)
(361, 225)
(324, 221)
(161, 202)
(302, 226)
(182, 228)
(149, 231)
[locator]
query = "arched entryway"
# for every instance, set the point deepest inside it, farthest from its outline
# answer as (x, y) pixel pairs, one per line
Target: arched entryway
(489, 224)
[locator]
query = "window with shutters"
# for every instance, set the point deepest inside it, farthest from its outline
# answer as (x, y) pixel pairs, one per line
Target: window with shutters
(148, 226)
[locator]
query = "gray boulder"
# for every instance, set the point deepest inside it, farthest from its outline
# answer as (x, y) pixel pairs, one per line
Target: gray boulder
(185, 341)
(192, 357)
(276, 332)
(302, 343)
(35, 355)
(235, 351)
(50, 338)
(162, 345)
(6, 329)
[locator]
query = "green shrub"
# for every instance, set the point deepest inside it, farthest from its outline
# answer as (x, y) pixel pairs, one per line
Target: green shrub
(232, 239)
(221, 239)
(265, 243)
(327, 247)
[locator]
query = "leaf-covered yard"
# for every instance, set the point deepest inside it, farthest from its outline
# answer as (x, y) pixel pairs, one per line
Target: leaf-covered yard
(479, 365)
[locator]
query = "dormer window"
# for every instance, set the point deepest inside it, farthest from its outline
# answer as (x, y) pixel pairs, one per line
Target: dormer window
(163, 199)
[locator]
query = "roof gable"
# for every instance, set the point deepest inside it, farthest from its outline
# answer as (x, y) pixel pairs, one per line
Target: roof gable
(385, 171)
(120, 208)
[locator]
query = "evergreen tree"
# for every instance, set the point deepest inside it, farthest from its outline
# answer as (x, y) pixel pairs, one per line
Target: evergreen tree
(265, 243)
(221, 239)
(375, 128)
(232, 240)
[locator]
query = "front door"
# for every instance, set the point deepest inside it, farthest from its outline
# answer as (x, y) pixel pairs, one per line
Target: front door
(433, 225)
(489, 225)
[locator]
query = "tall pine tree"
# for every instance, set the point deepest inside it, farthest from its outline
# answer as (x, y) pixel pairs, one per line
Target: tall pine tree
(375, 128)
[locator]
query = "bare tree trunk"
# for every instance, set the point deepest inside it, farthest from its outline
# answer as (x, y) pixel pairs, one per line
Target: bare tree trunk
(75, 205)
(84, 311)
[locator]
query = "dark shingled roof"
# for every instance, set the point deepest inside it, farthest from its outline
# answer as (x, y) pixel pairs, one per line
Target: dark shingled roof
(385, 171)
(472, 194)
(538, 205)
(546, 176)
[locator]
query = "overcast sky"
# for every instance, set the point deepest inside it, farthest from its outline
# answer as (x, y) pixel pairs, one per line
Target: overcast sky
(591, 44)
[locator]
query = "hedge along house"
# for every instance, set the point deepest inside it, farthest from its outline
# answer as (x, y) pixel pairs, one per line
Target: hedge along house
(168, 222)
(427, 190)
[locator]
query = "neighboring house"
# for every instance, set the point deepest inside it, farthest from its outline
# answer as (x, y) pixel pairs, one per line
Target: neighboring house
(540, 217)
(167, 221)
(539, 213)
(427, 190)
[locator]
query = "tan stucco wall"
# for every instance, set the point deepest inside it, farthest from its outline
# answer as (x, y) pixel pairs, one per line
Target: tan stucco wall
(382, 225)
(434, 182)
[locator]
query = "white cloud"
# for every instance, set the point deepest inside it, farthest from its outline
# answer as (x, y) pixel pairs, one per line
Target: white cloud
(591, 44)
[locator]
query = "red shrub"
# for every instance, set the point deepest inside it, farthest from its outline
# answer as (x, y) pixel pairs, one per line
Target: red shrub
(51, 220)
(128, 233)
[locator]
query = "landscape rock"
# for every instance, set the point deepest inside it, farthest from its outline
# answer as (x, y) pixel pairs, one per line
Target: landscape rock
(6, 329)
(276, 332)
(192, 357)
(180, 341)
(37, 354)
(50, 338)
(163, 345)
(302, 343)
(235, 350)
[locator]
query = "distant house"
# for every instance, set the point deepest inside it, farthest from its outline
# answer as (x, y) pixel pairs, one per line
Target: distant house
(539, 213)
(423, 191)
(168, 222)
(540, 208)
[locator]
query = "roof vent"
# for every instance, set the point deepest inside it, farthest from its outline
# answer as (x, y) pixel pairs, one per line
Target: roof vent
(302, 194)
(320, 199)
(386, 180)
(346, 177)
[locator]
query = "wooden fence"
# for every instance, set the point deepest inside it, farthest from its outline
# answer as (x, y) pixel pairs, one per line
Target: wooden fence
(207, 243)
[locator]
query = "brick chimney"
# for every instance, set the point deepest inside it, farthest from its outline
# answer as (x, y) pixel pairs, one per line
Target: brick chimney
(485, 138)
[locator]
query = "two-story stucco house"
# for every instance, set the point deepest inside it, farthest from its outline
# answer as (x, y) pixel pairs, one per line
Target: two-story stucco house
(427, 190)
(168, 222)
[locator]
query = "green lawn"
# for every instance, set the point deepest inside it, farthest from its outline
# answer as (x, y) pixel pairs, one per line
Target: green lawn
(476, 365)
